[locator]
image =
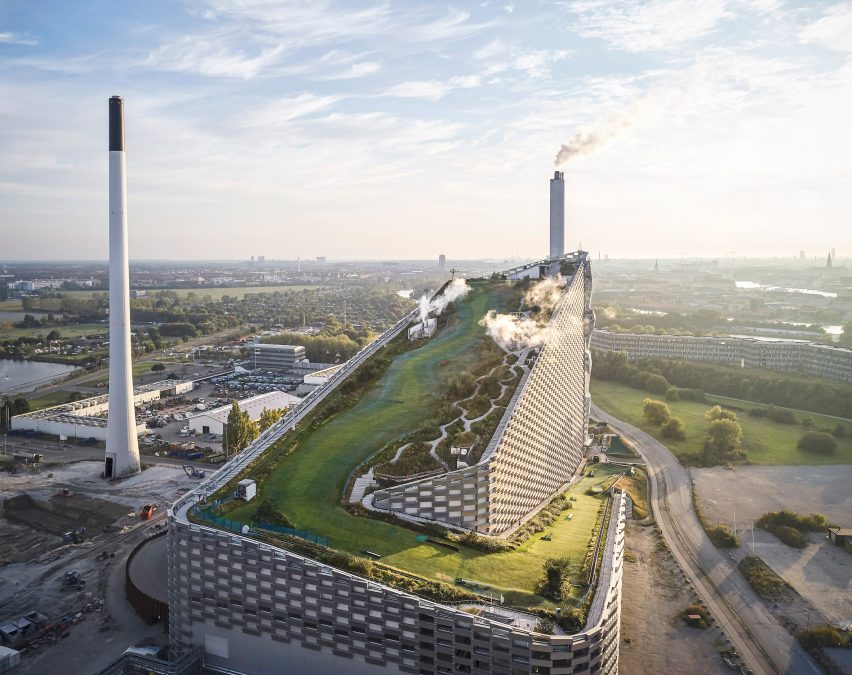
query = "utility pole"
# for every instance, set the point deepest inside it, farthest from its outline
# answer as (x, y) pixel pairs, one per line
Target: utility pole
(752, 539)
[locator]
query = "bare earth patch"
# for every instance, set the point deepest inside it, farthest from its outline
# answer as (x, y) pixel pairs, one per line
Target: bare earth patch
(655, 638)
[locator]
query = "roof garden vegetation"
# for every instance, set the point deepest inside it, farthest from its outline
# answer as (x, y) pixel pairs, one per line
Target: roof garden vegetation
(407, 395)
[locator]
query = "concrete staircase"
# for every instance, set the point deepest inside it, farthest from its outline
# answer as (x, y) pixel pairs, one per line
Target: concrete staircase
(359, 487)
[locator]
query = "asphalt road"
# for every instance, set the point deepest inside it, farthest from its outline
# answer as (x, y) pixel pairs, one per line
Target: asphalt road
(765, 646)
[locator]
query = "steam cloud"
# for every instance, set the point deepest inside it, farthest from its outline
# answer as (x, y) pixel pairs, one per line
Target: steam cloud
(586, 142)
(513, 332)
(545, 293)
(458, 288)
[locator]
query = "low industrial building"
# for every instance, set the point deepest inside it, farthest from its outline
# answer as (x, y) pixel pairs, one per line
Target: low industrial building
(841, 536)
(275, 357)
(317, 379)
(87, 418)
(213, 421)
(750, 352)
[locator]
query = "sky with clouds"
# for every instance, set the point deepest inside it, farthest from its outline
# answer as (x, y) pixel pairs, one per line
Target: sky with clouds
(401, 129)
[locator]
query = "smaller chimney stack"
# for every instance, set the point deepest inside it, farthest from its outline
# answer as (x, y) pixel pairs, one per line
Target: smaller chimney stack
(557, 215)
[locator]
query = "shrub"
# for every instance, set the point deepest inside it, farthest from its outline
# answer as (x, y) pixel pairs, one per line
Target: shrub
(674, 429)
(719, 413)
(554, 582)
(698, 610)
(656, 412)
(817, 442)
(672, 394)
(722, 536)
(724, 441)
(813, 522)
(765, 582)
(544, 626)
(840, 431)
(789, 535)
(822, 636)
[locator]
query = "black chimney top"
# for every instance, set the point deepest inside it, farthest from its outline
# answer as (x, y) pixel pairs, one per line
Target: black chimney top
(116, 123)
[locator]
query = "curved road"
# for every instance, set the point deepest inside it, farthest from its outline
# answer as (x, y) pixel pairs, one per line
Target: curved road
(765, 646)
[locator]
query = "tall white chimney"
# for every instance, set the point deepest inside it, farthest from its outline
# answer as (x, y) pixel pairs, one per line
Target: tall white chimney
(122, 447)
(557, 215)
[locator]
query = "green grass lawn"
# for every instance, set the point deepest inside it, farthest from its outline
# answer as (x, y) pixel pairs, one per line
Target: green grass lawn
(307, 485)
(138, 368)
(766, 442)
(48, 400)
(73, 331)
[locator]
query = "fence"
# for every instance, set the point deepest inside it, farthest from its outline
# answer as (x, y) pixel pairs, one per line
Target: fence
(237, 527)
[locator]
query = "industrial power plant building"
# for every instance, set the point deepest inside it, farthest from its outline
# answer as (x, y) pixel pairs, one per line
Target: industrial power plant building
(747, 352)
(259, 599)
(87, 418)
(538, 444)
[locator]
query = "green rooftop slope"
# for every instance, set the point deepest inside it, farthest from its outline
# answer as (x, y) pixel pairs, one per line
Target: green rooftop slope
(307, 484)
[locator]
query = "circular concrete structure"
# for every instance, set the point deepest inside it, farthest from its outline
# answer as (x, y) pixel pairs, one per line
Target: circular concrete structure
(146, 581)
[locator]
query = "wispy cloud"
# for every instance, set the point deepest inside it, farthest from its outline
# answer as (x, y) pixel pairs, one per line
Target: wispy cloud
(8, 38)
(833, 29)
(431, 90)
(644, 25)
(206, 55)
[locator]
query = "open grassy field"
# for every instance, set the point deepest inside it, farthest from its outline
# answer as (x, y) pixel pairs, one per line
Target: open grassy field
(766, 442)
(11, 306)
(138, 368)
(307, 485)
(213, 293)
(73, 331)
(48, 400)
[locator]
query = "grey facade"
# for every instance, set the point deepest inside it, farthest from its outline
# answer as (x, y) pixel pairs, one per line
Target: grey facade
(784, 355)
(254, 608)
(276, 357)
(538, 444)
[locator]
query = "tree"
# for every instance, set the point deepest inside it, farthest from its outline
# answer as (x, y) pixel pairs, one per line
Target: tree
(674, 428)
(839, 431)
(656, 412)
(20, 406)
(269, 417)
(719, 413)
(724, 440)
(818, 442)
(158, 367)
(555, 582)
(53, 335)
(240, 429)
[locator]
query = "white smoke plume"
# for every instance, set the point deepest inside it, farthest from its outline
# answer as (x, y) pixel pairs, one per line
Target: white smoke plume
(587, 141)
(545, 293)
(514, 333)
(458, 288)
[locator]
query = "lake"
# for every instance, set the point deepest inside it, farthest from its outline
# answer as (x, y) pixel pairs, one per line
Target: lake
(17, 376)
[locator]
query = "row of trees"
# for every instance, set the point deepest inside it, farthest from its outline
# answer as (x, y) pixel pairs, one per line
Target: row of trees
(690, 380)
(724, 435)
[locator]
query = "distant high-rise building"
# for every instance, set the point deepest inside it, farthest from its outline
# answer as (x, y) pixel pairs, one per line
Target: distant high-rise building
(557, 215)
(261, 258)
(801, 255)
(122, 446)
(442, 262)
(828, 262)
(252, 260)
(320, 258)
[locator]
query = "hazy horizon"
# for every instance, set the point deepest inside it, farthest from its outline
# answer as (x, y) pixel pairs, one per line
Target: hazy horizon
(367, 130)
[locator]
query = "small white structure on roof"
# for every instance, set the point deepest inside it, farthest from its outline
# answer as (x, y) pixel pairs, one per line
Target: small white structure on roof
(213, 421)
(246, 489)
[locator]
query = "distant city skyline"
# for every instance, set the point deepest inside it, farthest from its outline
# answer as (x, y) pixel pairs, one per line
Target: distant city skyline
(383, 130)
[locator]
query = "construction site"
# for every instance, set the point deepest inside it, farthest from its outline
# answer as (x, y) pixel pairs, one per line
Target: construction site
(66, 537)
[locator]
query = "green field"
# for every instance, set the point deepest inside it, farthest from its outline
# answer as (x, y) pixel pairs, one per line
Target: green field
(765, 442)
(48, 400)
(73, 331)
(307, 485)
(214, 293)
(11, 306)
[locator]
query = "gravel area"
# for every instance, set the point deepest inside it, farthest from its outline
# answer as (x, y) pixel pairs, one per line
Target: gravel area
(654, 593)
(821, 572)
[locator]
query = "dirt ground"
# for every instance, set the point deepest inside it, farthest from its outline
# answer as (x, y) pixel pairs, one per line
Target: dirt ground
(654, 639)
(821, 572)
(36, 585)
